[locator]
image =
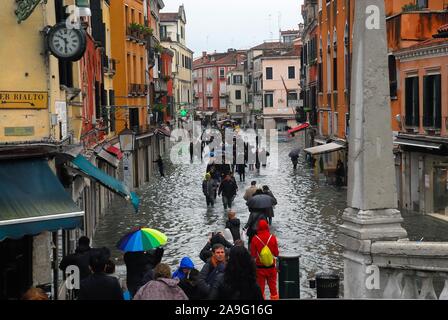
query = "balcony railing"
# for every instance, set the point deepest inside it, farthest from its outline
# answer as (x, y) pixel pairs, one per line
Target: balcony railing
(136, 90)
(209, 94)
(109, 66)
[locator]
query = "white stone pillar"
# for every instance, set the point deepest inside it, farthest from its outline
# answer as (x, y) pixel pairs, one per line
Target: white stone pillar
(372, 196)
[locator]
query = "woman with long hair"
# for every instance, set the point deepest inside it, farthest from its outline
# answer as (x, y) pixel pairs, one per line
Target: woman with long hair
(240, 280)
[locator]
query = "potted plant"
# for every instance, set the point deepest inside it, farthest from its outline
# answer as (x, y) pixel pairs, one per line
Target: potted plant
(158, 48)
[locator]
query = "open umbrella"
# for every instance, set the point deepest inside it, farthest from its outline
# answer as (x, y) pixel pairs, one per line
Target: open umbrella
(260, 201)
(142, 239)
(294, 153)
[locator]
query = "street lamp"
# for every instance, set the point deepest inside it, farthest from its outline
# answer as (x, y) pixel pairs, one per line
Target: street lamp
(84, 8)
(127, 140)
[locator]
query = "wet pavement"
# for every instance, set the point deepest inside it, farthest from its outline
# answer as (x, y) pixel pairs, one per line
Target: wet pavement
(305, 223)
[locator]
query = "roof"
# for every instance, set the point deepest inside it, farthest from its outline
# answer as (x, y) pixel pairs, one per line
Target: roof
(227, 58)
(443, 28)
(271, 45)
(290, 32)
(168, 16)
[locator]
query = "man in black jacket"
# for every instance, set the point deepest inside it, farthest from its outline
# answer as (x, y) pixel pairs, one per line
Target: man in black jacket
(217, 237)
(100, 286)
(81, 258)
(212, 274)
(228, 189)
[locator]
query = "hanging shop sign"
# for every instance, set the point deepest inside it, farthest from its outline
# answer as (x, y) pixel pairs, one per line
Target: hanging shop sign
(23, 100)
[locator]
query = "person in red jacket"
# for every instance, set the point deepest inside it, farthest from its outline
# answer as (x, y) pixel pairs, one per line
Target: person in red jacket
(265, 273)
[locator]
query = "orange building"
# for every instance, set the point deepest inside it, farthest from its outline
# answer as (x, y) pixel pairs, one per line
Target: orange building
(408, 23)
(128, 48)
(423, 139)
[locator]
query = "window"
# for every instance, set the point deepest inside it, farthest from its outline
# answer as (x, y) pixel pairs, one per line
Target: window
(209, 87)
(335, 74)
(422, 3)
(221, 73)
(335, 124)
(268, 100)
(347, 124)
(269, 73)
(412, 97)
(432, 108)
(321, 123)
(222, 87)
(292, 99)
(238, 94)
(320, 79)
(209, 103)
(222, 103)
(238, 108)
(393, 76)
(237, 79)
(182, 32)
(330, 124)
(291, 72)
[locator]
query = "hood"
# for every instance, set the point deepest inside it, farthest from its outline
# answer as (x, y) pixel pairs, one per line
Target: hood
(186, 263)
(169, 282)
(263, 226)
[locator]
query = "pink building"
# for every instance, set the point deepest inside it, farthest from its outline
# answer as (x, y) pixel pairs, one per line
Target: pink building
(209, 81)
(280, 89)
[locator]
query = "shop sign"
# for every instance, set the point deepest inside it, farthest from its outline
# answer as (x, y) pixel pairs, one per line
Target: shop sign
(23, 100)
(19, 131)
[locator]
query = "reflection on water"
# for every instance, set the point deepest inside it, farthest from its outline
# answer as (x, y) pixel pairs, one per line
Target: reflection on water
(306, 217)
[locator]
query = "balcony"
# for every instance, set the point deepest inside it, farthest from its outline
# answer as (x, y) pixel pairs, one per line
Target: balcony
(109, 66)
(160, 86)
(209, 94)
(223, 94)
(293, 103)
(138, 33)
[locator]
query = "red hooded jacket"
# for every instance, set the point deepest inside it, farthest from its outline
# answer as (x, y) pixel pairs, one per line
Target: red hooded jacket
(256, 246)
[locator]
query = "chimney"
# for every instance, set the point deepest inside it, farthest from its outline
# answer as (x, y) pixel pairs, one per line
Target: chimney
(204, 54)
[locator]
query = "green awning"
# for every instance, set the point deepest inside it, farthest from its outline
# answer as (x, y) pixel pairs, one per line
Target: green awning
(32, 200)
(106, 180)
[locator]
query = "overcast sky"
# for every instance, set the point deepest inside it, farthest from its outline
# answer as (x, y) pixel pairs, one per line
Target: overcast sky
(240, 24)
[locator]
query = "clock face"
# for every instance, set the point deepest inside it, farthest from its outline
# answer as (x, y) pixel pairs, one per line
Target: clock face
(66, 44)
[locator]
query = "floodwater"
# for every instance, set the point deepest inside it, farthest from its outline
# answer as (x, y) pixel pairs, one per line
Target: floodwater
(306, 217)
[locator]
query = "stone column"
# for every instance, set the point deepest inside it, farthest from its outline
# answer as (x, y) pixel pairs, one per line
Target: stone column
(372, 196)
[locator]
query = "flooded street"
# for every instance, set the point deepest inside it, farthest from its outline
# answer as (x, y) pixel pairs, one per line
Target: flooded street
(306, 217)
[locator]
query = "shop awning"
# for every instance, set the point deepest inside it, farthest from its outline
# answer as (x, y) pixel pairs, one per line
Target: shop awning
(421, 144)
(325, 148)
(108, 157)
(115, 150)
(106, 180)
(303, 126)
(32, 200)
(163, 131)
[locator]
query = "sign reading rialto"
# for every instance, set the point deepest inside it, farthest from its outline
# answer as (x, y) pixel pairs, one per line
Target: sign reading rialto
(23, 100)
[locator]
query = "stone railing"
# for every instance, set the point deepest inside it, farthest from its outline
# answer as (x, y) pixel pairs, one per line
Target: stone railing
(411, 270)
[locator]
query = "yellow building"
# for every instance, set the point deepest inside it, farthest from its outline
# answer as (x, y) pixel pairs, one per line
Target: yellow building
(29, 85)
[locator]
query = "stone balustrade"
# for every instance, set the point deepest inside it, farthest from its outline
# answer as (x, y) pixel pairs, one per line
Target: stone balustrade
(411, 270)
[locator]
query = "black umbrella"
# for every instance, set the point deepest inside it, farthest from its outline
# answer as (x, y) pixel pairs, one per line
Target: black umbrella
(294, 153)
(261, 201)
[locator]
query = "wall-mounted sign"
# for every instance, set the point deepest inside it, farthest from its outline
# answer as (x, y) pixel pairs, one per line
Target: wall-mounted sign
(23, 100)
(19, 131)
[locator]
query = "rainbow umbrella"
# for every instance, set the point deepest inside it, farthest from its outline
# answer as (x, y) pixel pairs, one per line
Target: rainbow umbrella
(142, 239)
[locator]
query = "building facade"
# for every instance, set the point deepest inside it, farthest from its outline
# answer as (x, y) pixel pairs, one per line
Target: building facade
(280, 89)
(173, 37)
(237, 106)
(210, 81)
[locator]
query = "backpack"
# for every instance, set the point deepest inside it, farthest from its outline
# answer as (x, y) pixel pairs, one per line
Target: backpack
(266, 257)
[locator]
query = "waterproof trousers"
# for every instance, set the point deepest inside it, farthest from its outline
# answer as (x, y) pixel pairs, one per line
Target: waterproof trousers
(268, 275)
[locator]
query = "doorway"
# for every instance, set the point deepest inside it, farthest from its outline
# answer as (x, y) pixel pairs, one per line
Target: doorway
(15, 267)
